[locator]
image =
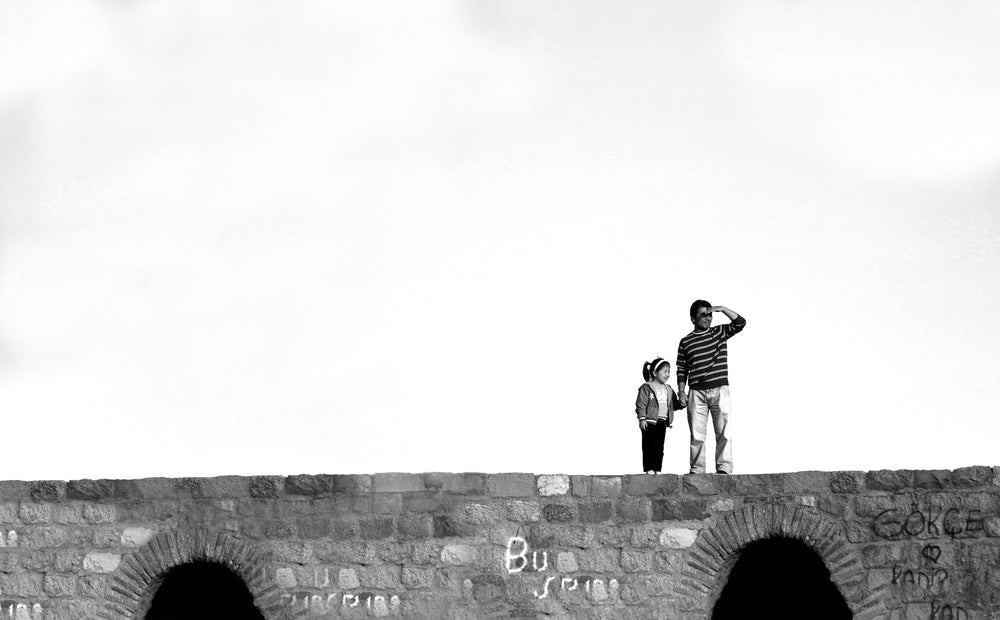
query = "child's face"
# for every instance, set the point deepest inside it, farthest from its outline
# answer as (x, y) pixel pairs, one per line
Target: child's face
(663, 374)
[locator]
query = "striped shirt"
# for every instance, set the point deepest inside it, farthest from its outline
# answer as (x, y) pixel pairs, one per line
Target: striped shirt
(702, 358)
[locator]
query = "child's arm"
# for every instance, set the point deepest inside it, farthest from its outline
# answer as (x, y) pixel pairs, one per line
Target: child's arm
(641, 402)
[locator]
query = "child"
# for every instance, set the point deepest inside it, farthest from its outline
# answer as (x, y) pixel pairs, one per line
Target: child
(654, 406)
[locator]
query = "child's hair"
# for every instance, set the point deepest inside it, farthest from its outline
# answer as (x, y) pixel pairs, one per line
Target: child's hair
(649, 368)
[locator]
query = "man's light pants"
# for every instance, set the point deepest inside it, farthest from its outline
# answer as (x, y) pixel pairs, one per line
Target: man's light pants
(700, 404)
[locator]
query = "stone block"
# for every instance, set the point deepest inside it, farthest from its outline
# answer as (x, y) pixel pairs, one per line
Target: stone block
(445, 527)
(398, 483)
(67, 514)
(873, 505)
(99, 513)
(381, 576)
(679, 509)
(932, 480)
(580, 485)
(458, 554)
(520, 510)
(31, 513)
(678, 537)
(644, 484)
(21, 584)
(285, 578)
(636, 561)
(99, 562)
(308, 485)
(889, 480)
(510, 485)
(347, 579)
(313, 527)
(807, 482)
(387, 503)
(90, 490)
(835, 505)
(596, 511)
(722, 505)
(602, 560)
(558, 513)
(14, 490)
(376, 528)
(991, 525)
(416, 578)
(136, 536)
(48, 490)
(459, 484)
(846, 481)
(480, 514)
(606, 486)
(553, 484)
(415, 527)
(8, 513)
(266, 486)
(634, 510)
(67, 561)
(752, 484)
(702, 484)
(566, 562)
(59, 585)
(977, 476)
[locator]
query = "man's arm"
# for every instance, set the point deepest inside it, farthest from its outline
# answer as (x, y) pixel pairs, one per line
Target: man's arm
(682, 374)
(736, 322)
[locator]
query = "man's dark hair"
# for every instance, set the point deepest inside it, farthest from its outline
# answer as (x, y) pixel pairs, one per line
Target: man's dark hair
(701, 303)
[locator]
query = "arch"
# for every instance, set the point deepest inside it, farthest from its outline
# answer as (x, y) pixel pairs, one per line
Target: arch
(778, 578)
(717, 549)
(202, 590)
(135, 582)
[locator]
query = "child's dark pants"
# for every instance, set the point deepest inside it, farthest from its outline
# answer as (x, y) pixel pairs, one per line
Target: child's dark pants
(652, 445)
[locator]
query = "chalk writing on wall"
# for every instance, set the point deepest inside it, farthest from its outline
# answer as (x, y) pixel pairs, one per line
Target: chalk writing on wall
(516, 561)
(21, 611)
(928, 523)
(372, 604)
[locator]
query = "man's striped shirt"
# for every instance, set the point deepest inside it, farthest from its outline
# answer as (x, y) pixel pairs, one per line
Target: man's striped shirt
(702, 357)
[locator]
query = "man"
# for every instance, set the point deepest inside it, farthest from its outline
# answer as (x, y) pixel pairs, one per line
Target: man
(702, 363)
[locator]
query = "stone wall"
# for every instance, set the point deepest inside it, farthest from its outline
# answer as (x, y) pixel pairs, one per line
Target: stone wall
(897, 544)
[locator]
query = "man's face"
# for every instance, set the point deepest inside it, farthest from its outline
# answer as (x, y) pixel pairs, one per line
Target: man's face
(703, 319)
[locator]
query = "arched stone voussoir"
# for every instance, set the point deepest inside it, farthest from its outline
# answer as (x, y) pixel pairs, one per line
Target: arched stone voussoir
(761, 521)
(139, 574)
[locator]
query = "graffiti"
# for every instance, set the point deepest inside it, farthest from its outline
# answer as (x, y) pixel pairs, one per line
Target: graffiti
(594, 588)
(511, 559)
(947, 612)
(320, 578)
(373, 604)
(10, 540)
(929, 576)
(21, 611)
(927, 523)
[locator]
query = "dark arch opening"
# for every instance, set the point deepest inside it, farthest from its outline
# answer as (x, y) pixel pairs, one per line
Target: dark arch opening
(780, 579)
(202, 591)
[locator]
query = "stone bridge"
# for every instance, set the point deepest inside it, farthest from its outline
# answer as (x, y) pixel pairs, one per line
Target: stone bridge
(882, 544)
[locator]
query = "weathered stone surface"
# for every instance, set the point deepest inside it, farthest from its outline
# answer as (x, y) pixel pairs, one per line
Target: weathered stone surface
(644, 484)
(519, 510)
(98, 562)
(679, 509)
(553, 484)
(889, 480)
(606, 486)
(510, 485)
(678, 537)
(442, 545)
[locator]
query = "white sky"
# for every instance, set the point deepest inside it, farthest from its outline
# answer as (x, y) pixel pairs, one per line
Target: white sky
(358, 237)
